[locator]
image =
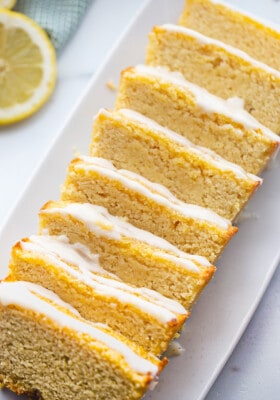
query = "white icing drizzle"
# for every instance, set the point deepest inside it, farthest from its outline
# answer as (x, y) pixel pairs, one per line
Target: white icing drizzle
(98, 220)
(154, 191)
(230, 49)
(160, 307)
(28, 296)
(206, 100)
(236, 103)
(47, 294)
(75, 254)
(202, 152)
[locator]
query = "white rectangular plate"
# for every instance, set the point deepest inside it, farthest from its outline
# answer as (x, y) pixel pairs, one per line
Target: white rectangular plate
(247, 265)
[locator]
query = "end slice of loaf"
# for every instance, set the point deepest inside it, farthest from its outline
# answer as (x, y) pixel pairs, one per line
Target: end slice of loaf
(49, 351)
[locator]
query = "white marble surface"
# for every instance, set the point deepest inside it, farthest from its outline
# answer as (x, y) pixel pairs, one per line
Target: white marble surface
(253, 371)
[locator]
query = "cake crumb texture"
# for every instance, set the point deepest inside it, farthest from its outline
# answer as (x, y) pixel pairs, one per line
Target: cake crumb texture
(234, 27)
(191, 235)
(134, 262)
(97, 302)
(190, 178)
(37, 360)
(221, 70)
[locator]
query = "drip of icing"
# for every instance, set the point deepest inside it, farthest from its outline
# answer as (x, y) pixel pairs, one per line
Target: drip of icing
(210, 103)
(29, 296)
(157, 192)
(202, 152)
(238, 104)
(208, 40)
(150, 302)
(41, 291)
(75, 254)
(99, 221)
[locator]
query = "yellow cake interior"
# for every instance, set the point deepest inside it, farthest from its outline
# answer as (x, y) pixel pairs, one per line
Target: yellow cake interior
(187, 175)
(234, 27)
(41, 358)
(96, 299)
(189, 234)
(135, 262)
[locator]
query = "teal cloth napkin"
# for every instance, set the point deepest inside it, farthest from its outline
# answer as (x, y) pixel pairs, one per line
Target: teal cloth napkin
(59, 18)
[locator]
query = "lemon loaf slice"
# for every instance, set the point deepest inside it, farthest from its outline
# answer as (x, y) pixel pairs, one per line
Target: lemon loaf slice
(147, 206)
(205, 119)
(193, 174)
(259, 38)
(49, 351)
(142, 315)
(223, 70)
(134, 255)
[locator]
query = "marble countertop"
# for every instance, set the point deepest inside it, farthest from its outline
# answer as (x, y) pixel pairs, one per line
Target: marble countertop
(253, 370)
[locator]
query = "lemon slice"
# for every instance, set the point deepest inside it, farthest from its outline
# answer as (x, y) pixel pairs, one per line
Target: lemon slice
(7, 3)
(27, 67)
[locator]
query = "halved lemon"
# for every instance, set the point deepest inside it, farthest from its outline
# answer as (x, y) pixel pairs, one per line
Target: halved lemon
(7, 3)
(27, 67)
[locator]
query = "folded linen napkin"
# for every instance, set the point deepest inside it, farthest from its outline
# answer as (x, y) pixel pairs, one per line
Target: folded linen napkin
(59, 18)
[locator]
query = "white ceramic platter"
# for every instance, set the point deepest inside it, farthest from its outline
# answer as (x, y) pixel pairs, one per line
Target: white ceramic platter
(247, 265)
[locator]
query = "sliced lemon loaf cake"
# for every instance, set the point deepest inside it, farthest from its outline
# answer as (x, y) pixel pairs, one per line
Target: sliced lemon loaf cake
(134, 255)
(222, 69)
(48, 351)
(193, 174)
(259, 38)
(205, 119)
(142, 315)
(147, 205)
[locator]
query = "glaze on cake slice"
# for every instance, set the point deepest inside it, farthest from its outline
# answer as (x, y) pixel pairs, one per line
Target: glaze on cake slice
(205, 119)
(136, 256)
(49, 351)
(223, 70)
(147, 205)
(194, 174)
(142, 315)
(225, 22)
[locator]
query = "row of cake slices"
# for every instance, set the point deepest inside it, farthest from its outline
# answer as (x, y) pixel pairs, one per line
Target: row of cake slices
(119, 246)
(81, 254)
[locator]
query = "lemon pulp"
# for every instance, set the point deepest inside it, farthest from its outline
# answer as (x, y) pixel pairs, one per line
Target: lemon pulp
(27, 67)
